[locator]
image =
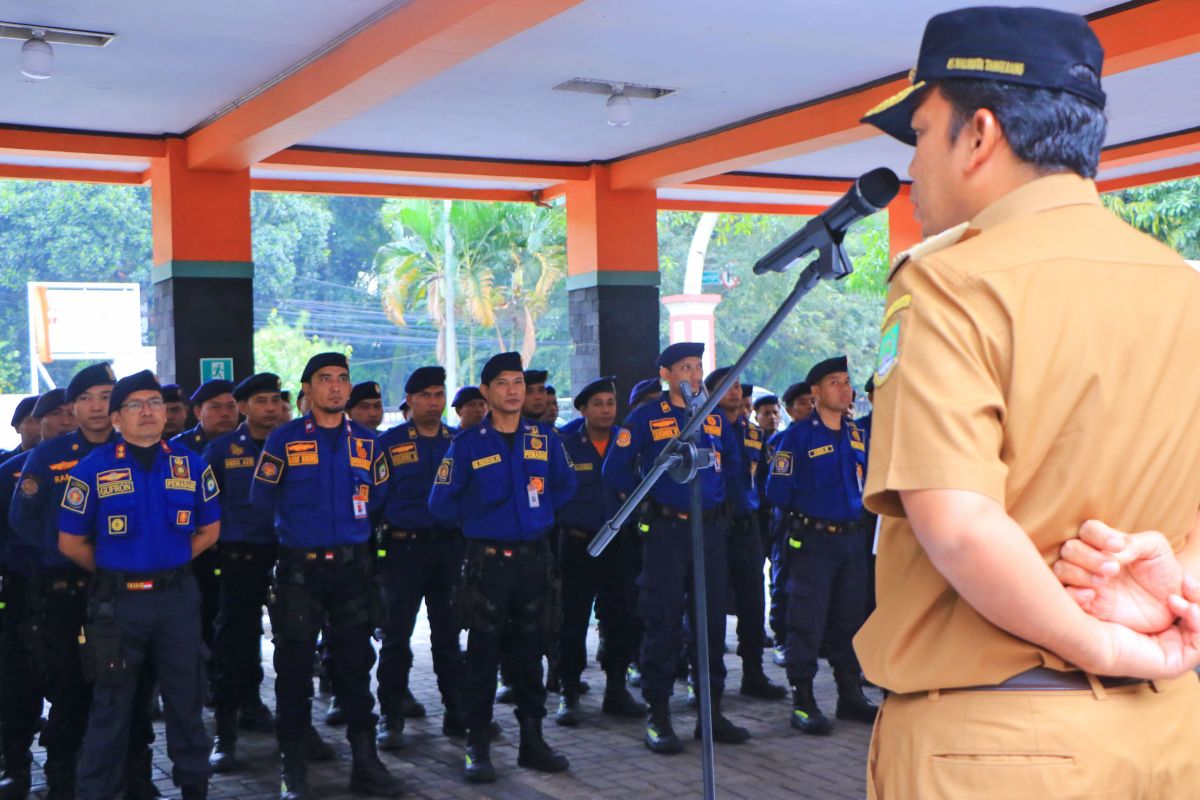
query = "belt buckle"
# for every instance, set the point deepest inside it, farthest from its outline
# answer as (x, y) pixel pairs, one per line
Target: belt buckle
(139, 586)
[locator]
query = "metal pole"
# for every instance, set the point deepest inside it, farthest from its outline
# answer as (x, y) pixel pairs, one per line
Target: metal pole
(700, 623)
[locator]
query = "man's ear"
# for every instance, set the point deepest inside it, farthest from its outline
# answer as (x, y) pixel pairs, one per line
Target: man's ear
(982, 136)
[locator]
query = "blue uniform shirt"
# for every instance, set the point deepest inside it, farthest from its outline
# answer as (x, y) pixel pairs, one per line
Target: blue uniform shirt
(233, 457)
(33, 514)
(864, 425)
(413, 461)
(15, 554)
(817, 471)
(140, 520)
(595, 501)
(571, 426)
(195, 439)
(321, 485)
(493, 491)
(739, 481)
(646, 432)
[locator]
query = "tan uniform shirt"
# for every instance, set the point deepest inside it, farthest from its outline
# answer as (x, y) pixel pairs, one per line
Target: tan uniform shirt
(1045, 355)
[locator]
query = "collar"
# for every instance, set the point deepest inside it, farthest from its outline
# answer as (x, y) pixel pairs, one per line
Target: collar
(1043, 194)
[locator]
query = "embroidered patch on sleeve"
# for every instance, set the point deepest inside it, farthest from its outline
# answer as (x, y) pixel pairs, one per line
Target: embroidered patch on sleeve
(381, 470)
(270, 468)
(782, 463)
(445, 470)
(75, 498)
(209, 481)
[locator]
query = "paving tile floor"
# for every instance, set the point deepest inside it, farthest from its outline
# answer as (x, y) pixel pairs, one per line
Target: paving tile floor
(607, 757)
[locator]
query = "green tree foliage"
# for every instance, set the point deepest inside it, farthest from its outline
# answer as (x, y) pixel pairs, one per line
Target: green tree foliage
(1170, 212)
(284, 348)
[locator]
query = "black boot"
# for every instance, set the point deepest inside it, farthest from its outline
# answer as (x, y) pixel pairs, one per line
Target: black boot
(534, 752)
(389, 733)
(293, 771)
(724, 731)
(411, 708)
(660, 736)
(316, 748)
(568, 714)
(852, 703)
(139, 775)
(477, 764)
(755, 682)
(224, 752)
(334, 716)
(504, 693)
(60, 777)
(453, 723)
(368, 775)
(195, 791)
(17, 773)
(617, 699)
(806, 714)
(255, 716)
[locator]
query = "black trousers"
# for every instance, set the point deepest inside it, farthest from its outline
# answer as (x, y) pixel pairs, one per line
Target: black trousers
(419, 569)
(512, 590)
(665, 594)
(304, 592)
(827, 597)
(162, 628)
(609, 581)
(207, 569)
(22, 682)
(745, 558)
(65, 599)
(245, 582)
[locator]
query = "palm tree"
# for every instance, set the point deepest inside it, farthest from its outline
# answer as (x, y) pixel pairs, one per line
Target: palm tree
(537, 255)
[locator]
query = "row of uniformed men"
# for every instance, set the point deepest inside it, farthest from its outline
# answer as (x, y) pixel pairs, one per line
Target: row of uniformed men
(247, 563)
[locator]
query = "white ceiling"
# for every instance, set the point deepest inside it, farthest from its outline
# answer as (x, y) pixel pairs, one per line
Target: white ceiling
(174, 64)
(394, 180)
(74, 163)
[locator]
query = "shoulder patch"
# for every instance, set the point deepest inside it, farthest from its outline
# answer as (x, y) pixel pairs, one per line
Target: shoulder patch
(889, 349)
(381, 470)
(270, 468)
(928, 247)
(209, 483)
(781, 464)
(29, 486)
(624, 438)
(445, 470)
(75, 498)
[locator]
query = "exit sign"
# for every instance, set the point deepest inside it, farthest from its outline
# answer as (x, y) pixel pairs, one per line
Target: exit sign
(216, 369)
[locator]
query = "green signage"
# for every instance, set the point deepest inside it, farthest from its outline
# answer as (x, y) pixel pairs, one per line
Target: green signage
(216, 369)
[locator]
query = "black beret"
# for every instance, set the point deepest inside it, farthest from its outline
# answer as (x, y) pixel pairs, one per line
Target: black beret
(827, 367)
(49, 402)
(465, 395)
(322, 360)
(96, 375)
(210, 389)
(870, 387)
(172, 393)
(501, 362)
(642, 389)
(795, 390)
(367, 390)
(404, 407)
(535, 376)
(550, 389)
(713, 378)
(286, 396)
(1034, 47)
(260, 383)
(747, 389)
(137, 382)
(606, 384)
(299, 396)
(766, 400)
(424, 377)
(678, 352)
(24, 409)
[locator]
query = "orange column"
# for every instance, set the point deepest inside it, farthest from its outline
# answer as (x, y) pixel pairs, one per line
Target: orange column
(203, 295)
(903, 229)
(612, 281)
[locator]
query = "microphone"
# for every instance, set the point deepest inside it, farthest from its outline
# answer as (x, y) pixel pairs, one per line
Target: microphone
(871, 192)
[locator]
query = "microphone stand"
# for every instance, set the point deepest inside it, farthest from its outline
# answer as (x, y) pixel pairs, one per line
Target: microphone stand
(683, 460)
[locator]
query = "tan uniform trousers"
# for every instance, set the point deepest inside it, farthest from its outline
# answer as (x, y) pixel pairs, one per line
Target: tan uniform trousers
(1139, 742)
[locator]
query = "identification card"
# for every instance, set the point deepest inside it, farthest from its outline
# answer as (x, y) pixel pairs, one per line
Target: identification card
(360, 508)
(534, 500)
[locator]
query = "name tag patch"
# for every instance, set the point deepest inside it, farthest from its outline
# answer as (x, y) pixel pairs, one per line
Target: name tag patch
(584, 467)
(113, 482)
(405, 453)
(181, 483)
(239, 463)
(479, 463)
(858, 446)
(820, 451)
(667, 428)
(301, 454)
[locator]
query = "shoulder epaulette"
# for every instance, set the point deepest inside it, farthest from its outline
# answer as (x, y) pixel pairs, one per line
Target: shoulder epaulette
(928, 247)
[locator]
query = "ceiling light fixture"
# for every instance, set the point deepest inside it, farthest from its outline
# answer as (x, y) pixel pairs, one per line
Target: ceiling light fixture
(24, 30)
(618, 108)
(37, 59)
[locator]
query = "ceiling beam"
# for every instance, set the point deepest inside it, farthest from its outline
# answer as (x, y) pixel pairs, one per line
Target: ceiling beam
(303, 159)
(762, 182)
(1157, 147)
(22, 172)
(722, 207)
(410, 45)
(1132, 37)
(1147, 178)
(366, 189)
(54, 143)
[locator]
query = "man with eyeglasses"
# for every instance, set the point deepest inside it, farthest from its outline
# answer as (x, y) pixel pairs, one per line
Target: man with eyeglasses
(58, 605)
(323, 475)
(135, 513)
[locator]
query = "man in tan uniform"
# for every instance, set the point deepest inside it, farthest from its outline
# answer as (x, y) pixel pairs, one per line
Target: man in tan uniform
(1014, 344)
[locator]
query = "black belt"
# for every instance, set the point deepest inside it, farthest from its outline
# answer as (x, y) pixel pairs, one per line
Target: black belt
(58, 584)
(117, 581)
(671, 512)
(417, 534)
(1043, 679)
(836, 527)
(245, 551)
(492, 548)
(340, 554)
(577, 533)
